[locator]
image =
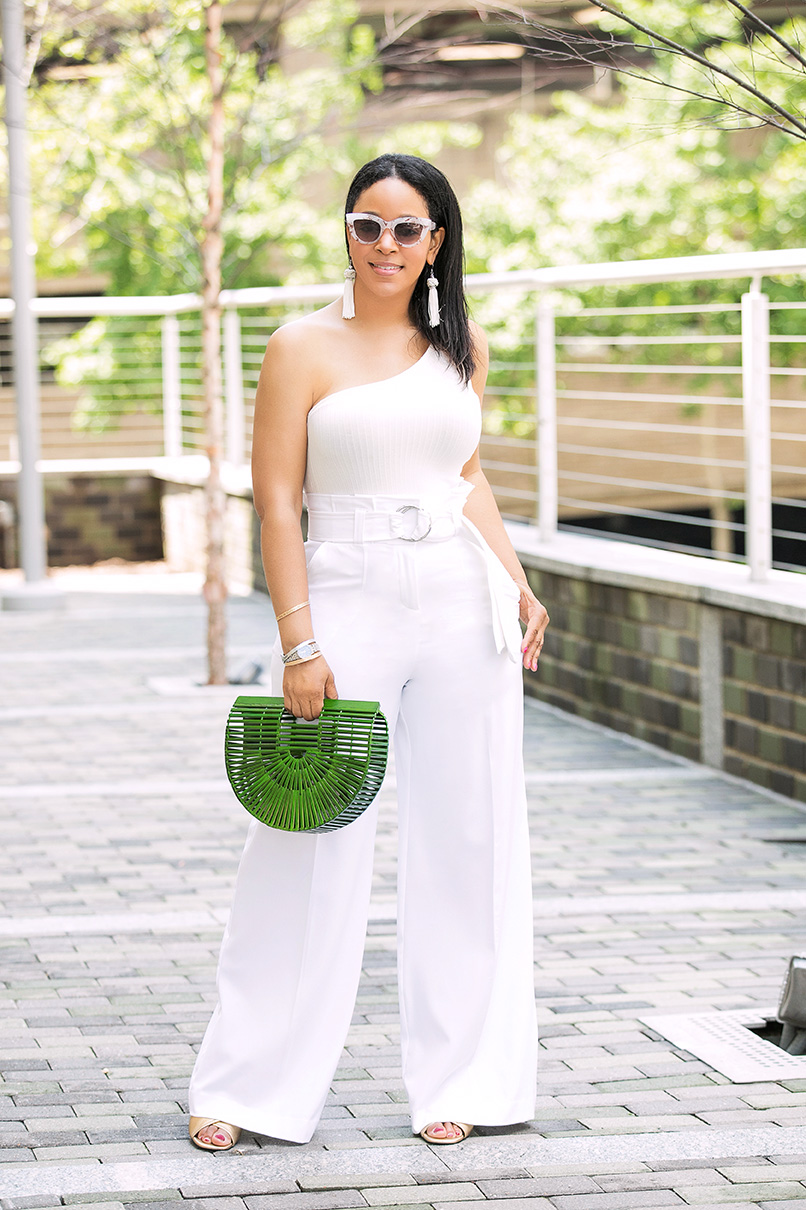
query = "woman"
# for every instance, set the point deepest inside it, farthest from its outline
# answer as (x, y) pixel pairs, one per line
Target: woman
(407, 592)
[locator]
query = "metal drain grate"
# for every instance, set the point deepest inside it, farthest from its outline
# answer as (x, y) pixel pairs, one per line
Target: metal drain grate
(726, 1042)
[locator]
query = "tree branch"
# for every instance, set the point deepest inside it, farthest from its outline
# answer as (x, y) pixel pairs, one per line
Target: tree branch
(695, 57)
(768, 29)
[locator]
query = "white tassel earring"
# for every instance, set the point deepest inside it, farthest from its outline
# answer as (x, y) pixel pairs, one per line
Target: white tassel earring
(348, 301)
(433, 299)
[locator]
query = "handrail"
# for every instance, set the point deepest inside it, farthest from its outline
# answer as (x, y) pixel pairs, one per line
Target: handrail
(675, 268)
(654, 269)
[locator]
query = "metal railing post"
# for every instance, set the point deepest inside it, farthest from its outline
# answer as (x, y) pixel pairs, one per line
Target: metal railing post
(25, 345)
(171, 388)
(756, 396)
(545, 352)
(233, 386)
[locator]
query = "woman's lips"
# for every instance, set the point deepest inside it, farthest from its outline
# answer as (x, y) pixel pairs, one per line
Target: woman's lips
(385, 270)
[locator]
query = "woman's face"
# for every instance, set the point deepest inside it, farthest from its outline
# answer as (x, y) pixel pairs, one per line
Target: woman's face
(384, 267)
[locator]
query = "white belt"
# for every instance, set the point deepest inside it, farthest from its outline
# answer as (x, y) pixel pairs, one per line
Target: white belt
(342, 518)
(429, 517)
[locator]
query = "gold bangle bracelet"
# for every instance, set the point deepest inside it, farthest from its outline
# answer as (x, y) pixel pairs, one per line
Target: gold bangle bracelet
(293, 609)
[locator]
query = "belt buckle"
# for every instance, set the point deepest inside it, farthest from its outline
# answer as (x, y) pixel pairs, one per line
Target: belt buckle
(407, 508)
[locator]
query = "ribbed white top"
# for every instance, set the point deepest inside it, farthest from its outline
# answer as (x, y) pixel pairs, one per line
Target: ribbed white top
(409, 434)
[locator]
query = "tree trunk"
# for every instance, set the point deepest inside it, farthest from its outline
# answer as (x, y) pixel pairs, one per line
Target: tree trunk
(215, 587)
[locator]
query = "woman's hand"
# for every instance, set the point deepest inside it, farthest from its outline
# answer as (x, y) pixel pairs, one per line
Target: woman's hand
(536, 619)
(306, 685)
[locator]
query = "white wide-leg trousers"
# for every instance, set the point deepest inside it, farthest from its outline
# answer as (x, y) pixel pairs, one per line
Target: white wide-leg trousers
(408, 625)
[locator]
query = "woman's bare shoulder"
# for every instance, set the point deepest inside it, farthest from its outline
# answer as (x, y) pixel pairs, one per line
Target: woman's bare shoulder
(299, 351)
(303, 333)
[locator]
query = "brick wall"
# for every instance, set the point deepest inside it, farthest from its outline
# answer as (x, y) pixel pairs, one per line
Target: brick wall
(91, 517)
(139, 518)
(765, 701)
(621, 657)
(636, 661)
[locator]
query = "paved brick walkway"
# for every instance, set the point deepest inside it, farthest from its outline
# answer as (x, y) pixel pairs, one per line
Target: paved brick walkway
(658, 886)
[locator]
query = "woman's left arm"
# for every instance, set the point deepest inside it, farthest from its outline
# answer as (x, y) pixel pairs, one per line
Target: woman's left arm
(482, 510)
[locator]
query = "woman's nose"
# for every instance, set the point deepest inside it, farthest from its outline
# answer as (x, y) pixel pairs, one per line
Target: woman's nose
(387, 242)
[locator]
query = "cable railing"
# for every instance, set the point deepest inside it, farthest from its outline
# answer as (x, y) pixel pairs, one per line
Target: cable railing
(679, 425)
(683, 457)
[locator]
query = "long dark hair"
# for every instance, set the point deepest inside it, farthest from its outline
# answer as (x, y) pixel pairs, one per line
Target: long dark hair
(452, 335)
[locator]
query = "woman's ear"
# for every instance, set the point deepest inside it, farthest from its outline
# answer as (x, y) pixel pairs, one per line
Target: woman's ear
(436, 241)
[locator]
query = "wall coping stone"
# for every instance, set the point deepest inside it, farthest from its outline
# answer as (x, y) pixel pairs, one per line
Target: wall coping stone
(83, 466)
(191, 471)
(692, 577)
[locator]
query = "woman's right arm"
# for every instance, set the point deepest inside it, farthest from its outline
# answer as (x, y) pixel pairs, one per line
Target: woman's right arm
(279, 451)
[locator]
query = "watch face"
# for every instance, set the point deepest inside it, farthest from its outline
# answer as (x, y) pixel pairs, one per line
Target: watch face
(305, 650)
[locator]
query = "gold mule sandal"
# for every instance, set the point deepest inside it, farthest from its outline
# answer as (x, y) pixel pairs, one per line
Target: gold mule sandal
(464, 1128)
(196, 1125)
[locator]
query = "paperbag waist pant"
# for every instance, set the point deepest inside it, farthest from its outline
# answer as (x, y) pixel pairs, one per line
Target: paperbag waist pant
(408, 624)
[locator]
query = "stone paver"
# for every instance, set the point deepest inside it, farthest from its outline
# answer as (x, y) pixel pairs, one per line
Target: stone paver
(655, 889)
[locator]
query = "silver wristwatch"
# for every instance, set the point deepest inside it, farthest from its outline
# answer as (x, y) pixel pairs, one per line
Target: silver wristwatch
(302, 652)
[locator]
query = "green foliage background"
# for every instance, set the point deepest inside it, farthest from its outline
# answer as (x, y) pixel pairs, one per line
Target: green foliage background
(120, 158)
(119, 183)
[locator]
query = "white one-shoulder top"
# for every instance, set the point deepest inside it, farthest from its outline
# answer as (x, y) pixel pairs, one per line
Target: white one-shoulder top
(409, 434)
(406, 436)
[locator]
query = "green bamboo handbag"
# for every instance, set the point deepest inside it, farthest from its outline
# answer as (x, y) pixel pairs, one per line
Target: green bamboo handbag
(305, 776)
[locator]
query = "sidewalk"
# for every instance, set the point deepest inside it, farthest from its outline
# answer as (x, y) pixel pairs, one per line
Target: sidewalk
(659, 886)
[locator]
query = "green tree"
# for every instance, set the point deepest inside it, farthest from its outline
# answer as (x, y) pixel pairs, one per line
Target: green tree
(120, 167)
(178, 159)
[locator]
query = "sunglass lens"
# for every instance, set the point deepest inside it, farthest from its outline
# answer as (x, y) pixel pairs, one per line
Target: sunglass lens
(367, 230)
(408, 233)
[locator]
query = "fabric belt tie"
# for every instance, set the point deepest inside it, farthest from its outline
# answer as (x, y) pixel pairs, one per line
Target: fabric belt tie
(431, 517)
